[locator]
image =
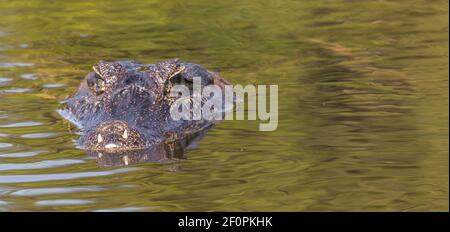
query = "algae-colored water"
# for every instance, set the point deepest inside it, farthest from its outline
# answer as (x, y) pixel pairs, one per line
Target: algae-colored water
(363, 105)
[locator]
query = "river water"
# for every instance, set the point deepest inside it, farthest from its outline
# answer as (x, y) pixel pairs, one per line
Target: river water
(363, 105)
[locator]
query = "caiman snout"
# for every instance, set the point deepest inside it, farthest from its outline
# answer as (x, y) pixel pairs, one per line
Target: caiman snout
(114, 135)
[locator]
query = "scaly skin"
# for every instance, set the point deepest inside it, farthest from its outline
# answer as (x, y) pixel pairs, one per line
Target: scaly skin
(123, 106)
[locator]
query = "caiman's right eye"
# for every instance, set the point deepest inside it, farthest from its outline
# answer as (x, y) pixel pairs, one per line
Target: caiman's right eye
(95, 82)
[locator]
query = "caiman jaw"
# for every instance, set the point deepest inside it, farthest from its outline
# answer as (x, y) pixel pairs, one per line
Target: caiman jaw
(115, 135)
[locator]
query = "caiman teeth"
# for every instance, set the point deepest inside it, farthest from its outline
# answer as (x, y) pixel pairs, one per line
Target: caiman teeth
(99, 138)
(126, 160)
(125, 134)
(111, 145)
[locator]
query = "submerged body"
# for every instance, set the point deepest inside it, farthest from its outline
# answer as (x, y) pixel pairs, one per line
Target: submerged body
(124, 106)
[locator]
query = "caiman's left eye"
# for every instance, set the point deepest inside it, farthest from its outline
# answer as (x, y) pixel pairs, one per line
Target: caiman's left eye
(95, 83)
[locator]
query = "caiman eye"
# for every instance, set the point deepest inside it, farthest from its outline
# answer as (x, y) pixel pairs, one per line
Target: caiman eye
(95, 83)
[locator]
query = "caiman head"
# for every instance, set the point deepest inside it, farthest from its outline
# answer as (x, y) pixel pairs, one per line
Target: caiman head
(124, 105)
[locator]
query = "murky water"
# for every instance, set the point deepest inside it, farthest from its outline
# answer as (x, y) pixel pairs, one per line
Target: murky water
(363, 105)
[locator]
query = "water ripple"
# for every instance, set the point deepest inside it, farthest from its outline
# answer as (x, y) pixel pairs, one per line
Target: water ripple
(5, 145)
(60, 176)
(39, 135)
(39, 165)
(47, 191)
(21, 124)
(5, 79)
(29, 76)
(51, 86)
(15, 90)
(126, 209)
(63, 202)
(21, 154)
(14, 65)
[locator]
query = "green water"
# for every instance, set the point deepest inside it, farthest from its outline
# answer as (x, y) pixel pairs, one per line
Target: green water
(363, 105)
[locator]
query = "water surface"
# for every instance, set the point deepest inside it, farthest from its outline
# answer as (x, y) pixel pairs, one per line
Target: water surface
(363, 90)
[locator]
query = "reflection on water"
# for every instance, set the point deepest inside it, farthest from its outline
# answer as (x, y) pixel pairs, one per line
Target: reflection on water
(363, 106)
(45, 191)
(158, 154)
(57, 176)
